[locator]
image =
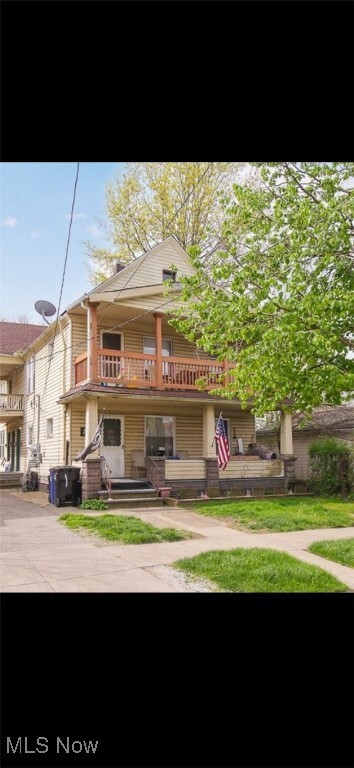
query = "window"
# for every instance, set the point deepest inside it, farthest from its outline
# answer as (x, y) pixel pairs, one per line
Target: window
(167, 274)
(30, 376)
(2, 444)
(29, 436)
(111, 340)
(159, 435)
(150, 348)
(49, 427)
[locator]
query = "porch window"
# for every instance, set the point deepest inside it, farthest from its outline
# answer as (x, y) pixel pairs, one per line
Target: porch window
(159, 435)
(110, 340)
(150, 349)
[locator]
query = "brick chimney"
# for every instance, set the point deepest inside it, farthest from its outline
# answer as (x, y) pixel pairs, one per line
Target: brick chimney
(119, 265)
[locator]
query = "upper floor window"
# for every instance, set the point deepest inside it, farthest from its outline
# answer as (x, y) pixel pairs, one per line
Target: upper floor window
(49, 427)
(167, 274)
(30, 376)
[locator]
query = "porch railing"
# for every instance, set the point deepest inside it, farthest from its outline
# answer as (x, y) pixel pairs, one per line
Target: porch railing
(123, 368)
(11, 402)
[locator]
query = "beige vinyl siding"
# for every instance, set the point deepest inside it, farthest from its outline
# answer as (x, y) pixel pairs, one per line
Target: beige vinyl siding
(78, 341)
(245, 469)
(148, 269)
(189, 433)
(133, 339)
(243, 422)
(185, 470)
(77, 420)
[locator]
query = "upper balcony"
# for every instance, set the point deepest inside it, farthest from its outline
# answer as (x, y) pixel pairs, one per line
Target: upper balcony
(132, 369)
(10, 406)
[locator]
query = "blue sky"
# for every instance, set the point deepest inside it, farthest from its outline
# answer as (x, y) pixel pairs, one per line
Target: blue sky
(36, 201)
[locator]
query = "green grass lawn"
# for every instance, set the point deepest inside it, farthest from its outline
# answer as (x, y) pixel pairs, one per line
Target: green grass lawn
(126, 530)
(259, 570)
(341, 551)
(287, 514)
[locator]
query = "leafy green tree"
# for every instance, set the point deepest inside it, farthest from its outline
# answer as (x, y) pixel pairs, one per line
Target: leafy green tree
(277, 301)
(155, 200)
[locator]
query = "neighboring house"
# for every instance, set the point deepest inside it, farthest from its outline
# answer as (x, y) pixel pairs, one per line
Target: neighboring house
(14, 337)
(114, 351)
(326, 421)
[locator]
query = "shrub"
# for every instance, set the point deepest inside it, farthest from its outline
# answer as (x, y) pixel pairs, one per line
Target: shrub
(332, 467)
(96, 504)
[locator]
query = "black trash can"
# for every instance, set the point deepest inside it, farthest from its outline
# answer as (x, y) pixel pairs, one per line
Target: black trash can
(64, 486)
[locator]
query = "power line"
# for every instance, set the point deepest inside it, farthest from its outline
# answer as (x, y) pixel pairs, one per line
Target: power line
(140, 260)
(63, 277)
(189, 194)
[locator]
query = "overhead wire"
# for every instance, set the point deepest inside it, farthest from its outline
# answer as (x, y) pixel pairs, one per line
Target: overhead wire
(63, 278)
(140, 259)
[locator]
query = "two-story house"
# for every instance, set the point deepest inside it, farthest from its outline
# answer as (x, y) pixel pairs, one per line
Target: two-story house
(114, 351)
(14, 338)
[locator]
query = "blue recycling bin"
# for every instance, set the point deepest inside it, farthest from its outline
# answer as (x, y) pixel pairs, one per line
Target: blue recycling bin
(64, 485)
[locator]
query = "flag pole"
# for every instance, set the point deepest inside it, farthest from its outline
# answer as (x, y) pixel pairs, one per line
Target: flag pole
(214, 432)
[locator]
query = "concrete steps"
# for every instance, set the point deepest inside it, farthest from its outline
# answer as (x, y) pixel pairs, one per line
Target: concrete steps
(10, 479)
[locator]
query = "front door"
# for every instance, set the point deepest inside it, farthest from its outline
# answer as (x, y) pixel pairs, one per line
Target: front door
(112, 444)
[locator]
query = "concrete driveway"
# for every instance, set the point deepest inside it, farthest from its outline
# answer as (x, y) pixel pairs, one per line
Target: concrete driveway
(38, 554)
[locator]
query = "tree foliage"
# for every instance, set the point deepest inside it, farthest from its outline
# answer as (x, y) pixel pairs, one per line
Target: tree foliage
(155, 200)
(277, 301)
(332, 467)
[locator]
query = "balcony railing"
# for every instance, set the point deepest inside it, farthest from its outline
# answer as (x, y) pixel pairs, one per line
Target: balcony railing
(129, 369)
(11, 403)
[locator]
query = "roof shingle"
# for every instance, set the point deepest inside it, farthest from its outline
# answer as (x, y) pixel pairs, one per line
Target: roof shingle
(15, 336)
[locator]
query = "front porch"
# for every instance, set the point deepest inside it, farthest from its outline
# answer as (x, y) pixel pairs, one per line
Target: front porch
(169, 441)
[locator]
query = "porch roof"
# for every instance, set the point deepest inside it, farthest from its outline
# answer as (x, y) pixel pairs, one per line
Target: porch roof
(102, 391)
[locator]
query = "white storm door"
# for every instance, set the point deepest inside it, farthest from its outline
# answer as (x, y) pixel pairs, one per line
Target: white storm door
(112, 445)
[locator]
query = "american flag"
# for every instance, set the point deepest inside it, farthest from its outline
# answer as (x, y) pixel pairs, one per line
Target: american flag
(222, 443)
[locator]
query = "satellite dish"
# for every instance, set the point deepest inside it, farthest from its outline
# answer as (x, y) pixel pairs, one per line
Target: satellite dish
(45, 308)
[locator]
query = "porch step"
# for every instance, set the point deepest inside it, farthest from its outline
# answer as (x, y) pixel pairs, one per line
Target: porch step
(117, 503)
(132, 493)
(10, 479)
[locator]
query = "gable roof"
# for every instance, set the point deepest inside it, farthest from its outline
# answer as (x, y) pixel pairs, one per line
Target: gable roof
(15, 336)
(143, 273)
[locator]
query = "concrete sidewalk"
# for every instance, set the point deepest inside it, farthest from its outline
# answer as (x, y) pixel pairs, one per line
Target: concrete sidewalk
(40, 555)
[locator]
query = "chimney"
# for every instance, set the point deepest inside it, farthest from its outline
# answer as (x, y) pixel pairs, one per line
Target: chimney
(119, 265)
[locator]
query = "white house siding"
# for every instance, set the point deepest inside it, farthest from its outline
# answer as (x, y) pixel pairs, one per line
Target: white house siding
(50, 386)
(17, 380)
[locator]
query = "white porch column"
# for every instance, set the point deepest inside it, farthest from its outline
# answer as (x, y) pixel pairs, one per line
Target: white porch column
(209, 446)
(91, 421)
(286, 435)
